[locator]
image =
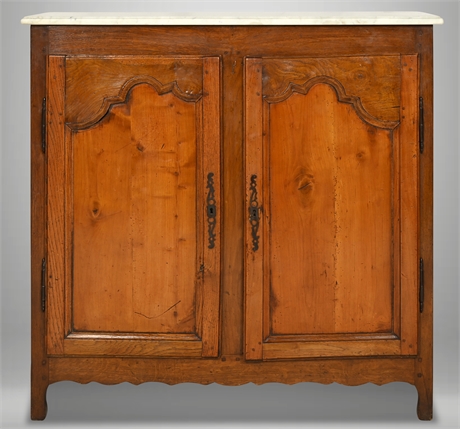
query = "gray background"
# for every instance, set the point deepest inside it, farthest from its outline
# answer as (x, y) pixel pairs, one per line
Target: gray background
(157, 405)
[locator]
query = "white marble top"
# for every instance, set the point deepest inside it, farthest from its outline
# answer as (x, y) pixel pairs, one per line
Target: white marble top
(305, 18)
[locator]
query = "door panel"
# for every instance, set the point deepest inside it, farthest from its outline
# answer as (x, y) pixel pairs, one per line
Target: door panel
(141, 276)
(335, 193)
(333, 183)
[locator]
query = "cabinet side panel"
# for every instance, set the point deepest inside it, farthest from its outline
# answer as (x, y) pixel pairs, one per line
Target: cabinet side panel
(424, 363)
(56, 203)
(39, 361)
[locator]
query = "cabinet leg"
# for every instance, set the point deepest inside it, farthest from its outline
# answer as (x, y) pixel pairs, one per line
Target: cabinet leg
(425, 402)
(38, 405)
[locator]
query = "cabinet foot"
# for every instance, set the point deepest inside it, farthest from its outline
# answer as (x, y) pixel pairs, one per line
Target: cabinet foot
(425, 402)
(38, 405)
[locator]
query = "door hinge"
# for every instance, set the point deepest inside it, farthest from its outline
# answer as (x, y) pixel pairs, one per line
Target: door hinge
(421, 125)
(43, 284)
(254, 213)
(422, 285)
(44, 125)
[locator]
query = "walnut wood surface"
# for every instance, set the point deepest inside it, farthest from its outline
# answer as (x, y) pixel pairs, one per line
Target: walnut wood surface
(232, 44)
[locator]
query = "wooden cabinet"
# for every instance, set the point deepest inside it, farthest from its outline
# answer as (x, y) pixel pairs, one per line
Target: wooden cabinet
(231, 203)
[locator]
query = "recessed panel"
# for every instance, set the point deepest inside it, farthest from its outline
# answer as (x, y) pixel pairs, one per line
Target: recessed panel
(134, 227)
(330, 209)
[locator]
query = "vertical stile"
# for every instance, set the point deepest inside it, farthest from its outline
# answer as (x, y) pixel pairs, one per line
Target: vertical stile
(211, 163)
(253, 258)
(409, 203)
(56, 202)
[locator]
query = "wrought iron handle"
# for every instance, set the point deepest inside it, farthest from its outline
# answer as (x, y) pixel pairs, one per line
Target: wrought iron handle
(254, 212)
(211, 210)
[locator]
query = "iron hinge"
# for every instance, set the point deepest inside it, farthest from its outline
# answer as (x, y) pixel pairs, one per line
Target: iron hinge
(254, 213)
(421, 125)
(43, 288)
(44, 125)
(211, 210)
(422, 285)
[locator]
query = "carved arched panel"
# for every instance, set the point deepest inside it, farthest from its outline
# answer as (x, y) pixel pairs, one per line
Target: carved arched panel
(375, 80)
(93, 83)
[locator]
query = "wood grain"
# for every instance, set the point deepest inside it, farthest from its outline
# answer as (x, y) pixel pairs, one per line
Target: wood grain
(135, 242)
(211, 164)
(233, 44)
(424, 363)
(132, 347)
(375, 78)
(409, 204)
(233, 181)
(39, 376)
(254, 177)
(231, 371)
(364, 180)
(330, 210)
(91, 80)
(329, 178)
(247, 40)
(56, 203)
(328, 348)
(135, 227)
(396, 229)
(332, 337)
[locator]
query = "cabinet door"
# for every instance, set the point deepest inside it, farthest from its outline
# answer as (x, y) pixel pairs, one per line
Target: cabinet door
(133, 206)
(331, 264)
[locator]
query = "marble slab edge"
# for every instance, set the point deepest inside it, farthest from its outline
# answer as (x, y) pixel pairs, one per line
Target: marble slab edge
(306, 18)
